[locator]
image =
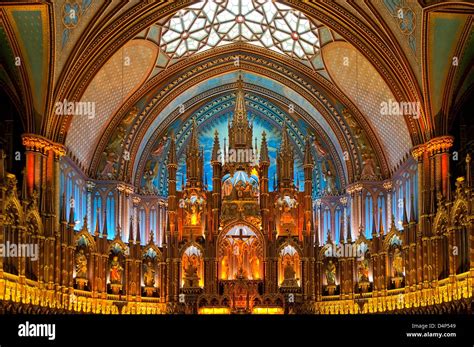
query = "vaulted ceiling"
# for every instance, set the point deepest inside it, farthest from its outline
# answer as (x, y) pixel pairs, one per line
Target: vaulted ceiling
(324, 67)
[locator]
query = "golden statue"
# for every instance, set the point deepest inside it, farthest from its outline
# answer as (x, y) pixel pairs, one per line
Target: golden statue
(331, 273)
(363, 269)
(149, 275)
(81, 265)
(115, 271)
(397, 263)
(289, 275)
(191, 278)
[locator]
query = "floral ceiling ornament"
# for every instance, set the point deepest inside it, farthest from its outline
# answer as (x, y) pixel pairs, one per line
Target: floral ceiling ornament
(263, 23)
(72, 11)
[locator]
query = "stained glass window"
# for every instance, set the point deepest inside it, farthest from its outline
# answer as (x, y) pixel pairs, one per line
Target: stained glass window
(268, 24)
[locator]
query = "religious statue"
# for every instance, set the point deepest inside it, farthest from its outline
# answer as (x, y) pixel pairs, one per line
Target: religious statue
(397, 263)
(289, 275)
(191, 278)
(330, 184)
(149, 275)
(108, 171)
(329, 177)
(363, 270)
(331, 273)
(319, 147)
(115, 271)
(149, 175)
(81, 265)
(227, 188)
(368, 168)
(158, 151)
(238, 246)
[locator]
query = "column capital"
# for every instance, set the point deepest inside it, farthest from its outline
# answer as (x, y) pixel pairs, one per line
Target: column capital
(388, 185)
(125, 188)
(38, 143)
(343, 201)
(437, 145)
(355, 187)
(90, 185)
(136, 200)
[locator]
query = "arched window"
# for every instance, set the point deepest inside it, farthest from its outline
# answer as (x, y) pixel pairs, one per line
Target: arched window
(401, 207)
(408, 197)
(84, 205)
(142, 218)
(110, 215)
(326, 224)
(153, 222)
(337, 224)
(96, 204)
(394, 206)
(369, 212)
(76, 189)
(415, 194)
(381, 206)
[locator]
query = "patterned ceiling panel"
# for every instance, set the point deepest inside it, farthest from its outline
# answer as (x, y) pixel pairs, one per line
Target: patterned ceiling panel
(112, 85)
(354, 74)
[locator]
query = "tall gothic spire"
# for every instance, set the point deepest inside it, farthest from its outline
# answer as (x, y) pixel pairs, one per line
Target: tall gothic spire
(240, 129)
(130, 235)
(194, 160)
(381, 231)
(216, 147)
(264, 158)
(194, 144)
(240, 112)
(172, 150)
(285, 161)
(97, 223)
(308, 156)
(104, 229)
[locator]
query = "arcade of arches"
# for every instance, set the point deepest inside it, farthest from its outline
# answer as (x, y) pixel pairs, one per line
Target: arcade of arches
(236, 156)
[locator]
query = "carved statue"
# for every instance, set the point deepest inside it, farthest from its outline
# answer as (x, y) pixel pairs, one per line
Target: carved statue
(158, 151)
(115, 271)
(397, 263)
(289, 272)
(108, 170)
(149, 275)
(319, 147)
(149, 175)
(227, 188)
(289, 275)
(329, 178)
(368, 168)
(331, 273)
(81, 265)
(363, 270)
(191, 278)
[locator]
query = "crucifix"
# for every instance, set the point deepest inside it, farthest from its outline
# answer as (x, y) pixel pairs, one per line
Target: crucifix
(240, 240)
